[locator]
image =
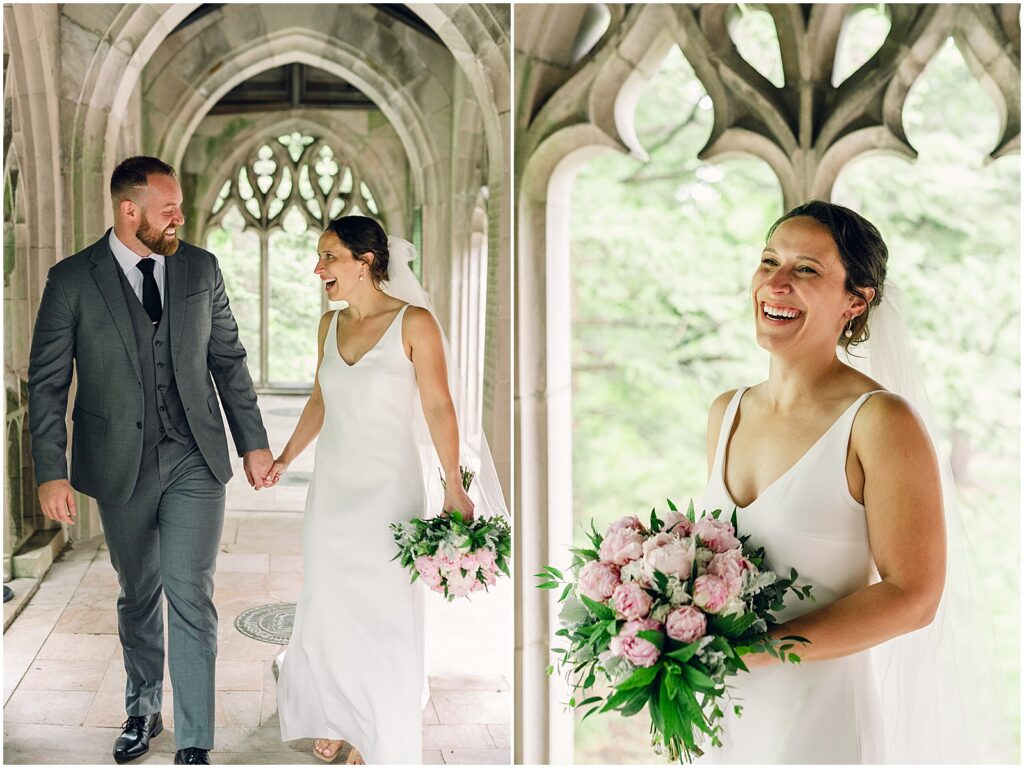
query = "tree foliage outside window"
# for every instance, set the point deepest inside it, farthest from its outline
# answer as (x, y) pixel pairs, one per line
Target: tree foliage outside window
(662, 256)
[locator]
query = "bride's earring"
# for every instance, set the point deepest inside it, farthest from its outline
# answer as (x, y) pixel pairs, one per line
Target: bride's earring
(848, 333)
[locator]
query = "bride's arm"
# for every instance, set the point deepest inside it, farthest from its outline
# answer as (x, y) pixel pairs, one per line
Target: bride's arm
(312, 418)
(427, 354)
(906, 528)
(715, 417)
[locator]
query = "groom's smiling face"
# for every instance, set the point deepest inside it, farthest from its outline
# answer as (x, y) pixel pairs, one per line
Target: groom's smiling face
(155, 212)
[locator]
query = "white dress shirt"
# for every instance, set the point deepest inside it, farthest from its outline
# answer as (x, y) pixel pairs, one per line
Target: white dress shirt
(127, 259)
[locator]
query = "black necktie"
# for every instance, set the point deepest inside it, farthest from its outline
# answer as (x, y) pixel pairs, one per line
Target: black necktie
(150, 293)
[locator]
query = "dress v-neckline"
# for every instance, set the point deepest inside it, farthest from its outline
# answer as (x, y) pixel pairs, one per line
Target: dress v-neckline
(337, 338)
(797, 463)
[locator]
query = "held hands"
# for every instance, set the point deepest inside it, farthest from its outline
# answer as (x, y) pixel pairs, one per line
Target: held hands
(456, 499)
(274, 474)
(57, 499)
(257, 466)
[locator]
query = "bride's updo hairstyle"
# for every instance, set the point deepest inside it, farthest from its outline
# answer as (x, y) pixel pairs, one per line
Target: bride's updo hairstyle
(862, 251)
(362, 235)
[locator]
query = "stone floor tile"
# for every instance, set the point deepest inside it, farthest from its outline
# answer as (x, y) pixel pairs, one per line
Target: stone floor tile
(63, 675)
(477, 757)
(36, 737)
(79, 647)
(285, 563)
(238, 709)
(69, 708)
(465, 707)
(502, 735)
(100, 574)
(83, 619)
(114, 677)
(60, 757)
(98, 598)
(456, 737)
(30, 630)
(239, 676)
(430, 715)
(433, 757)
(284, 582)
(470, 683)
(252, 739)
(14, 668)
(247, 583)
(229, 561)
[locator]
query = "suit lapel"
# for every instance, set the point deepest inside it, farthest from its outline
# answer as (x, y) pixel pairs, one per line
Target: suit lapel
(104, 272)
(177, 282)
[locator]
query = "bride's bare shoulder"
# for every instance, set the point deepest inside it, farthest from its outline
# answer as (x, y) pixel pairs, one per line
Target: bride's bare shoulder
(716, 414)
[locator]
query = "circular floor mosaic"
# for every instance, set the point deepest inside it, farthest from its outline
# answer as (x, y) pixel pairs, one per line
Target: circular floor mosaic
(268, 623)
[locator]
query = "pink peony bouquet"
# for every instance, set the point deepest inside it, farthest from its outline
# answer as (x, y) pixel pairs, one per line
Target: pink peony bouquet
(665, 612)
(454, 557)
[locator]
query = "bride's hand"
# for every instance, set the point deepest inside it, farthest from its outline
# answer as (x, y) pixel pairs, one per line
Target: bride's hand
(456, 499)
(274, 474)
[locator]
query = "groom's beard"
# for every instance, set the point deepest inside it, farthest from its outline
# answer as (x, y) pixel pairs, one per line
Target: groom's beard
(155, 239)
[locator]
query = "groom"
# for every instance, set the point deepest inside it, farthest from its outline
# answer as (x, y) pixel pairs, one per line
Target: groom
(143, 318)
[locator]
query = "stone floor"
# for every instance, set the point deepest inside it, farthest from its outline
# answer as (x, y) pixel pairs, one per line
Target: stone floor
(64, 676)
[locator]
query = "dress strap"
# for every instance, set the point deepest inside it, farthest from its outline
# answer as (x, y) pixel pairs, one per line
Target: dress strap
(726, 431)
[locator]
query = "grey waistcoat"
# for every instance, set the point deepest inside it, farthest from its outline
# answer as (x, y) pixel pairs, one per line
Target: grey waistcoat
(164, 414)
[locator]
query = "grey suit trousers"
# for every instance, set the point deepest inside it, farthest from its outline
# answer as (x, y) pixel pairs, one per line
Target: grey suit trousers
(164, 540)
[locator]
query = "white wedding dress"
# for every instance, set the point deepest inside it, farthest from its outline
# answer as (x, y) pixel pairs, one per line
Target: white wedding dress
(817, 711)
(354, 668)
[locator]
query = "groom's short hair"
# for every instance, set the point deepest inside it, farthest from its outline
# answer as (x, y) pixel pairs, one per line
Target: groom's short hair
(133, 173)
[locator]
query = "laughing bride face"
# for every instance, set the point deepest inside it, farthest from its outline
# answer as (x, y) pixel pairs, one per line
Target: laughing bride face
(800, 294)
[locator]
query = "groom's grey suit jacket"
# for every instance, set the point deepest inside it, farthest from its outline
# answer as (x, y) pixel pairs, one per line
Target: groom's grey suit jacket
(84, 319)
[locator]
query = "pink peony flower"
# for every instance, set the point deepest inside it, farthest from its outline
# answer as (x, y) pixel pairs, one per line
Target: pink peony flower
(677, 523)
(717, 535)
(444, 563)
(729, 566)
(598, 580)
(426, 566)
(490, 575)
(461, 585)
(630, 521)
(622, 546)
(468, 562)
(634, 649)
(631, 601)
(486, 557)
(669, 554)
(686, 624)
(710, 593)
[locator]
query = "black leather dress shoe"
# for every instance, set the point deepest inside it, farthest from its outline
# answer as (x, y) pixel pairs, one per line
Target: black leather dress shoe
(134, 739)
(192, 756)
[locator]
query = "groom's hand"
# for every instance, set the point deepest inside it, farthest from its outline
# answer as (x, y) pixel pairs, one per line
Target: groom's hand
(57, 499)
(257, 464)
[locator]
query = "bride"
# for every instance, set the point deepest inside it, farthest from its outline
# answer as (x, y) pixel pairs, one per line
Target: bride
(835, 477)
(354, 667)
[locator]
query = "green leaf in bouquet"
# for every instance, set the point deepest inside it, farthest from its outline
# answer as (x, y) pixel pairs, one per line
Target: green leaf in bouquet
(732, 625)
(636, 703)
(716, 514)
(565, 593)
(621, 697)
(671, 506)
(588, 701)
(691, 514)
(735, 525)
(661, 580)
(573, 611)
(655, 523)
(652, 636)
(699, 680)
(585, 554)
(590, 712)
(549, 585)
(796, 638)
(554, 572)
(643, 676)
(684, 654)
(503, 566)
(794, 659)
(596, 608)
(671, 680)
